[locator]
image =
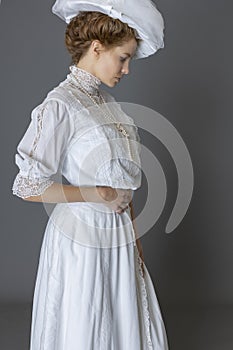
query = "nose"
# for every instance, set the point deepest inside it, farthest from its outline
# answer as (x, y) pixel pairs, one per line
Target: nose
(125, 69)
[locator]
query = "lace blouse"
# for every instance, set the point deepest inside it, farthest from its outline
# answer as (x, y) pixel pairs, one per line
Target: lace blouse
(68, 135)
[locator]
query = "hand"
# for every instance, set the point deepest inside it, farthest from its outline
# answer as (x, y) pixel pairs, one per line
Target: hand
(115, 198)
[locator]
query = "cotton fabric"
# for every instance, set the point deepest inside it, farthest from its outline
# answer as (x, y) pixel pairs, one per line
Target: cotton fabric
(90, 292)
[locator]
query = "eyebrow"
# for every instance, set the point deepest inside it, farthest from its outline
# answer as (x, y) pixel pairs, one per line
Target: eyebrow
(128, 54)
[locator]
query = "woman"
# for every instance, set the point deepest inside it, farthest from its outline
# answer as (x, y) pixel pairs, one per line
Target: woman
(93, 290)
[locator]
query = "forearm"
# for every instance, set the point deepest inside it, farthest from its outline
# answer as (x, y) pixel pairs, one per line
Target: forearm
(59, 193)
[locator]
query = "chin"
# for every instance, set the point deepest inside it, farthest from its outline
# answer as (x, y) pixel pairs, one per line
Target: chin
(110, 84)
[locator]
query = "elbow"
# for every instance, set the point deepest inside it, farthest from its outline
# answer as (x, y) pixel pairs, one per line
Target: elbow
(32, 199)
(28, 199)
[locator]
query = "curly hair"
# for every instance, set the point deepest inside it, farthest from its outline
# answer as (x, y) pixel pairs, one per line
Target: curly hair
(91, 25)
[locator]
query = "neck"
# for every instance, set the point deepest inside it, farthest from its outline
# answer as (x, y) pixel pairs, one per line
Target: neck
(85, 78)
(87, 68)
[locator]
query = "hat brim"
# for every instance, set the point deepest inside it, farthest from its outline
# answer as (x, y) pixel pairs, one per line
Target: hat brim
(150, 30)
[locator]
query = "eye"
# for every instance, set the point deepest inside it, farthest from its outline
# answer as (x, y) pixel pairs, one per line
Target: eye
(122, 59)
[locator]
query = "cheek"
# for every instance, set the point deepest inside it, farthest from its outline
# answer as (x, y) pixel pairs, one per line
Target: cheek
(108, 69)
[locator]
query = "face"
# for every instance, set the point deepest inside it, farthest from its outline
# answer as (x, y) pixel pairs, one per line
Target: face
(112, 64)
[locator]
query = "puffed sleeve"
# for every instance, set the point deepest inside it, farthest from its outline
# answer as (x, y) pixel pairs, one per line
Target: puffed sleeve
(42, 148)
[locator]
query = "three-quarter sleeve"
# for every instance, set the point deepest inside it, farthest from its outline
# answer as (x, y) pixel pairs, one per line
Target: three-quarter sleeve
(42, 148)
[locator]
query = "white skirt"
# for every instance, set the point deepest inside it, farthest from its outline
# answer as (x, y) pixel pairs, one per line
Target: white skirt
(92, 298)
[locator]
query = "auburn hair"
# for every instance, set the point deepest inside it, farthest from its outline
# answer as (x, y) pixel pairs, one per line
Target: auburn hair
(90, 25)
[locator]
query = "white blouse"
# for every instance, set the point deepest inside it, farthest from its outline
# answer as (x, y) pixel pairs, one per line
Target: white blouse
(71, 136)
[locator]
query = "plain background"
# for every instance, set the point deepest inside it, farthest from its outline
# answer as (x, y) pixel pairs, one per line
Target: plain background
(189, 82)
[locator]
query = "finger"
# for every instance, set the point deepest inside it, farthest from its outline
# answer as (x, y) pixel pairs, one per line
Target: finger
(119, 211)
(123, 209)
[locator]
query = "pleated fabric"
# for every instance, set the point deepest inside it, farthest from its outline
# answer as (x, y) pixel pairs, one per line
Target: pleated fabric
(93, 298)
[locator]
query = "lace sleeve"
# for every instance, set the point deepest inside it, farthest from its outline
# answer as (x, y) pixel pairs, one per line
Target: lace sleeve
(41, 149)
(27, 186)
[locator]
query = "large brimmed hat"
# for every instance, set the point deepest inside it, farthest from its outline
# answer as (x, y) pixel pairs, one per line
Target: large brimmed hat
(142, 15)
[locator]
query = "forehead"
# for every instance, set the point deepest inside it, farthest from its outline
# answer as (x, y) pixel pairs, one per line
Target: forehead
(127, 47)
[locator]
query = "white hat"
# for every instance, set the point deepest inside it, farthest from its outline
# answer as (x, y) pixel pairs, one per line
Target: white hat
(141, 15)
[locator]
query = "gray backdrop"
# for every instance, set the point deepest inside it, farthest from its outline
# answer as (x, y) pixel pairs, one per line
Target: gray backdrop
(190, 83)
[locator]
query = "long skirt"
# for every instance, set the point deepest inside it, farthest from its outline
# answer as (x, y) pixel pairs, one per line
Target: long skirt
(90, 297)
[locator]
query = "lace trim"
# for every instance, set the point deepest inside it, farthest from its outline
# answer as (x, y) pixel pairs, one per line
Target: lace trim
(26, 186)
(146, 314)
(39, 128)
(87, 80)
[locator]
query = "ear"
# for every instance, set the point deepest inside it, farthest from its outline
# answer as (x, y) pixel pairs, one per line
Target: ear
(97, 47)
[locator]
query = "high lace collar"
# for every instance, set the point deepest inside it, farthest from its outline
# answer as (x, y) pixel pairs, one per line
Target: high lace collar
(84, 78)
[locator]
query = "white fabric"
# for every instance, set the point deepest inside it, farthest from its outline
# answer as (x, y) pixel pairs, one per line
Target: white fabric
(141, 15)
(90, 292)
(41, 148)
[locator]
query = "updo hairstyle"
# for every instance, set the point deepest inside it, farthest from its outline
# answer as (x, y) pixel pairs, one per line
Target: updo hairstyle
(90, 25)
